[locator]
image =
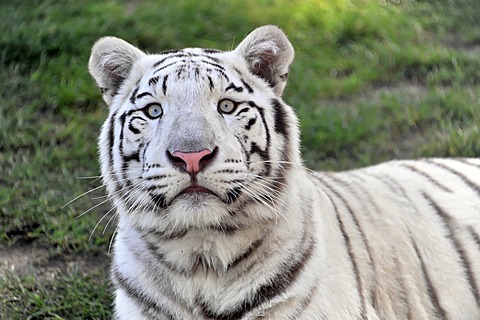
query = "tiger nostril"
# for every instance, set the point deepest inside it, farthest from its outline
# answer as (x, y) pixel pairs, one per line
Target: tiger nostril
(176, 161)
(192, 162)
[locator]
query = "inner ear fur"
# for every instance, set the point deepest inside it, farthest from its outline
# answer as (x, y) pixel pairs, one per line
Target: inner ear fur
(111, 62)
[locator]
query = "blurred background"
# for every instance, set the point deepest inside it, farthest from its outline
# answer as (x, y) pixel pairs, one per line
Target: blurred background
(373, 80)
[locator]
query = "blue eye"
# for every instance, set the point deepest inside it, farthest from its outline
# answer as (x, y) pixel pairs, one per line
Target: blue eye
(153, 110)
(226, 106)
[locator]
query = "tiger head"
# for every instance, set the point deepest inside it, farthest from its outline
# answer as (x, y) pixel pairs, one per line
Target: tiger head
(195, 135)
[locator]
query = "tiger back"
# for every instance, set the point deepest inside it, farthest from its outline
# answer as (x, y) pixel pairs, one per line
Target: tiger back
(219, 219)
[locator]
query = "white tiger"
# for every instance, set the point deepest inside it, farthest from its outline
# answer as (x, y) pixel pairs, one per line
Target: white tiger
(218, 219)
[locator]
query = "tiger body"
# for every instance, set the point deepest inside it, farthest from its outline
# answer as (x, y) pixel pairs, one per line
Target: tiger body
(218, 218)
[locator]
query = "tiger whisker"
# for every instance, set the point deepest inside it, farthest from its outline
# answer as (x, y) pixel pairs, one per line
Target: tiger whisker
(91, 208)
(111, 240)
(98, 223)
(115, 214)
(94, 189)
(83, 194)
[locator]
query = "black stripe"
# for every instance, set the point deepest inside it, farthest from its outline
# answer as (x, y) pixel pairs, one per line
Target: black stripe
(275, 286)
(216, 65)
(466, 263)
(144, 151)
(153, 81)
(148, 306)
(111, 139)
(111, 142)
(432, 292)
(401, 286)
(120, 149)
(233, 87)
(211, 51)
(210, 83)
(133, 96)
(466, 180)
(353, 260)
(181, 69)
(467, 162)
(159, 258)
(224, 229)
(131, 157)
(246, 254)
(261, 111)
(156, 187)
(143, 94)
(305, 303)
(132, 128)
(254, 148)
(208, 56)
(165, 66)
(164, 236)
(172, 51)
(244, 151)
(475, 236)
(238, 71)
(180, 54)
(427, 176)
(391, 184)
(219, 71)
(159, 200)
(125, 180)
(350, 252)
(242, 111)
(164, 85)
(249, 88)
(281, 118)
(250, 123)
(233, 194)
(157, 177)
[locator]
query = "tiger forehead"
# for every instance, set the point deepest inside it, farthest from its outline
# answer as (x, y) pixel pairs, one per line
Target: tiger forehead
(189, 60)
(198, 65)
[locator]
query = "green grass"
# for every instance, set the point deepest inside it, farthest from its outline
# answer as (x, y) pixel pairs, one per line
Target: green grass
(72, 296)
(370, 82)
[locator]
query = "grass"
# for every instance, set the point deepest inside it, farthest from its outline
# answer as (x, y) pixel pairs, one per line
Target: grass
(372, 80)
(72, 296)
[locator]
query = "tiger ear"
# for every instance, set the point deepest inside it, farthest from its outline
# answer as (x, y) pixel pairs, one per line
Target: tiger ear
(111, 62)
(269, 55)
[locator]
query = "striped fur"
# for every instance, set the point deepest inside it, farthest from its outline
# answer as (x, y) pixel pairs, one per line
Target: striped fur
(253, 234)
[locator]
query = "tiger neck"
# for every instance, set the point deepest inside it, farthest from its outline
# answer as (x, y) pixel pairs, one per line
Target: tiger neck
(200, 252)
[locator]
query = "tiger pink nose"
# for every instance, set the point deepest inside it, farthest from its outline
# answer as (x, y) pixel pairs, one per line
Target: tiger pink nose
(192, 162)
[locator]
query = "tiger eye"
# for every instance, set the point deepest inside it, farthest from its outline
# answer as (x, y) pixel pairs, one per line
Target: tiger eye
(154, 110)
(226, 106)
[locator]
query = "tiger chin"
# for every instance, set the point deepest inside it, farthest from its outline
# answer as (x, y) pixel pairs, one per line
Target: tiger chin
(219, 219)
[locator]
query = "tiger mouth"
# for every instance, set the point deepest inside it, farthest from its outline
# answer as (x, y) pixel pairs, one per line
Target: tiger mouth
(194, 188)
(198, 193)
(195, 192)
